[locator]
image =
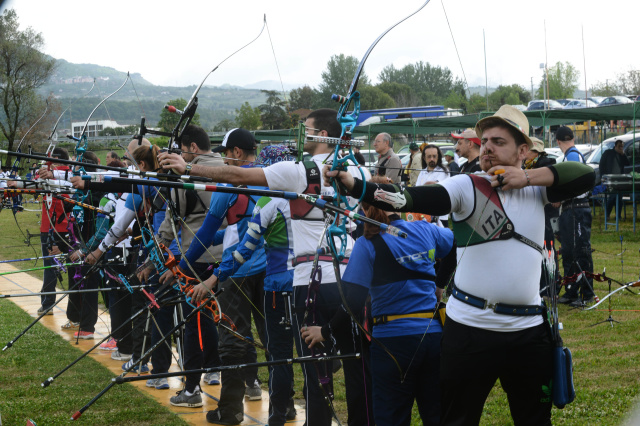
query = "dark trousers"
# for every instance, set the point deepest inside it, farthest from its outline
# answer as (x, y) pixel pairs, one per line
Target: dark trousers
(472, 359)
(393, 391)
(120, 308)
(199, 329)
(241, 298)
(347, 340)
(280, 346)
(575, 237)
(50, 277)
(83, 307)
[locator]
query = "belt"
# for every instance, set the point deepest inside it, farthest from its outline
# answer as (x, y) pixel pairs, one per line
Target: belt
(311, 257)
(572, 204)
(386, 318)
(498, 308)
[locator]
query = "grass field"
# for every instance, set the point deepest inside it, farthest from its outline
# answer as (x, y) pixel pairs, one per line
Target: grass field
(606, 359)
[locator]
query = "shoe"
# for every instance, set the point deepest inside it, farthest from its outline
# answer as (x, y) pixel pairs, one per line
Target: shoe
(144, 369)
(212, 378)
(119, 356)
(567, 299)
(162, 383)
(580, 303)
(70, 325)
(109, 345)
(87, 335)
(291, 412)
(182, 400)
(254, 393)
(41, 311)
(217, 418)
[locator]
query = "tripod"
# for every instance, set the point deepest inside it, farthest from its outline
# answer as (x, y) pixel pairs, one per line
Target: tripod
(610, 319)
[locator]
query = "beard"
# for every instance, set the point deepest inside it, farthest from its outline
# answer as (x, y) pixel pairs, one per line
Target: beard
(432, 164)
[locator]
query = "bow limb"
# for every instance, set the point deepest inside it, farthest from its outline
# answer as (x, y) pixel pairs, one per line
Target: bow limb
(624, 287)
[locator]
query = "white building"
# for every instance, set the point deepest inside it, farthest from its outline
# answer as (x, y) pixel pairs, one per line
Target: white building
(93, 128)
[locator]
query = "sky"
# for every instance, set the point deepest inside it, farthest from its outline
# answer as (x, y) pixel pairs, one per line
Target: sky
(177, 43)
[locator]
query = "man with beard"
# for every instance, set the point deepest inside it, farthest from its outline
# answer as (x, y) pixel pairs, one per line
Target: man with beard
(468, 147)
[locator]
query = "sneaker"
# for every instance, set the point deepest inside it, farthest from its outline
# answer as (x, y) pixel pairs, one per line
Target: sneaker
(254, 393)
(567, 299)
(119, 356)
(41, 311)
(143, 369)
(87, 335)
(162, 383)
(109, 345)
(291, 412)
(580, 303)
(212, 378)
(217, 418)
(183, 400)
(70, 325)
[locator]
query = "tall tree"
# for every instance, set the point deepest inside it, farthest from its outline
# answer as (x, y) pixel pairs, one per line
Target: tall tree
(511, 95)
(563, 81)
(23, 68)
(248, 117)
(629, 83)
(224, 125)
(431, 84)
(273, 115)
(337, 78)
(402, 94)
(302, 98)
(604, 89)
(374, 98)
(169, 120)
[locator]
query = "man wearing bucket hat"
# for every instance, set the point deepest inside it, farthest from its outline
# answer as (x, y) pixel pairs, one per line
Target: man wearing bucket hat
(494, 323)
(468, 147)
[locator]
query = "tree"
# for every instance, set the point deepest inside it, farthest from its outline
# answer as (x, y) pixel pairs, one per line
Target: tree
(169, 120)
(337, 78)
(629, 83)
(303, 98)
(248, 117)
(273, 115)
(23, 69)
(224, 125)
(119, 131)
(431, 84)
(373, 98)
(510, 95)
(604, 89)
(402, 94)
(563, 81)
(477, 103)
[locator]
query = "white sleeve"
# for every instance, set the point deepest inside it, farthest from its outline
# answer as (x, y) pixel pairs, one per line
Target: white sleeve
(118, 229)
(460, 188)
(286, 176)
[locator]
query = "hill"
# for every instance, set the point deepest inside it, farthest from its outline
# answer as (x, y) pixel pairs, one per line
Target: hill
(72, 81)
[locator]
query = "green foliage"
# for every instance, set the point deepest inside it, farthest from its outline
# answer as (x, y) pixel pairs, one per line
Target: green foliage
(563, 81)
(402, 94)
(510, 95)
(119, 131)
(272, 113)
(374, 98)
(224, 125)
(168, 121)
(604, 89)
(303, 98)
(248, 117)
(23, 69)
(337, 78)
(477, 103)
(629, 83)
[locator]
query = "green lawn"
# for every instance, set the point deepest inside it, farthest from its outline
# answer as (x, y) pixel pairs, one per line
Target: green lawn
(606, 359)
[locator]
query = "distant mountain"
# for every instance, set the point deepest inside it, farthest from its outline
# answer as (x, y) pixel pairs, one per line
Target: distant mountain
(72, 81)
(480, 90)
(272, 85)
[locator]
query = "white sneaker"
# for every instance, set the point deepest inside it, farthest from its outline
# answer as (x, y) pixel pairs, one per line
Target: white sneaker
(116, 355)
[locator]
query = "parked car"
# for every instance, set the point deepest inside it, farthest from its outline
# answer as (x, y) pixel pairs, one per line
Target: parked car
(596, 99)
(580, 103)
(538, 105)
(564, 102)
(615, 100)
(520, 107)
(629, 146)
(632, 97)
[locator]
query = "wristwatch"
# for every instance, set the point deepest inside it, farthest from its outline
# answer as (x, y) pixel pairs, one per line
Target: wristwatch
(187, 169)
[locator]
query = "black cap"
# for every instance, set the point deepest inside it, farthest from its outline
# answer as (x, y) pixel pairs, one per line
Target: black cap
(238, 137)
(564, 134)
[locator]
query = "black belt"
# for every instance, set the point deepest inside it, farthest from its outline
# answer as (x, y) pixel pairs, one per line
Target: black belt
(498, 308)
(311, 257)
(573, 204)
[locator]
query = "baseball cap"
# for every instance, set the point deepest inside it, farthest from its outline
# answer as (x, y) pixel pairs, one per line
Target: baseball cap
(506, 115)
(467, 134)
(237, 137)
(449, 153)
(564, 134)
(414, 146)
(538, 145)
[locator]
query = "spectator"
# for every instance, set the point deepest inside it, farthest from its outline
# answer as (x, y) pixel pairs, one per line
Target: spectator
(388, 164)
(613, 162)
